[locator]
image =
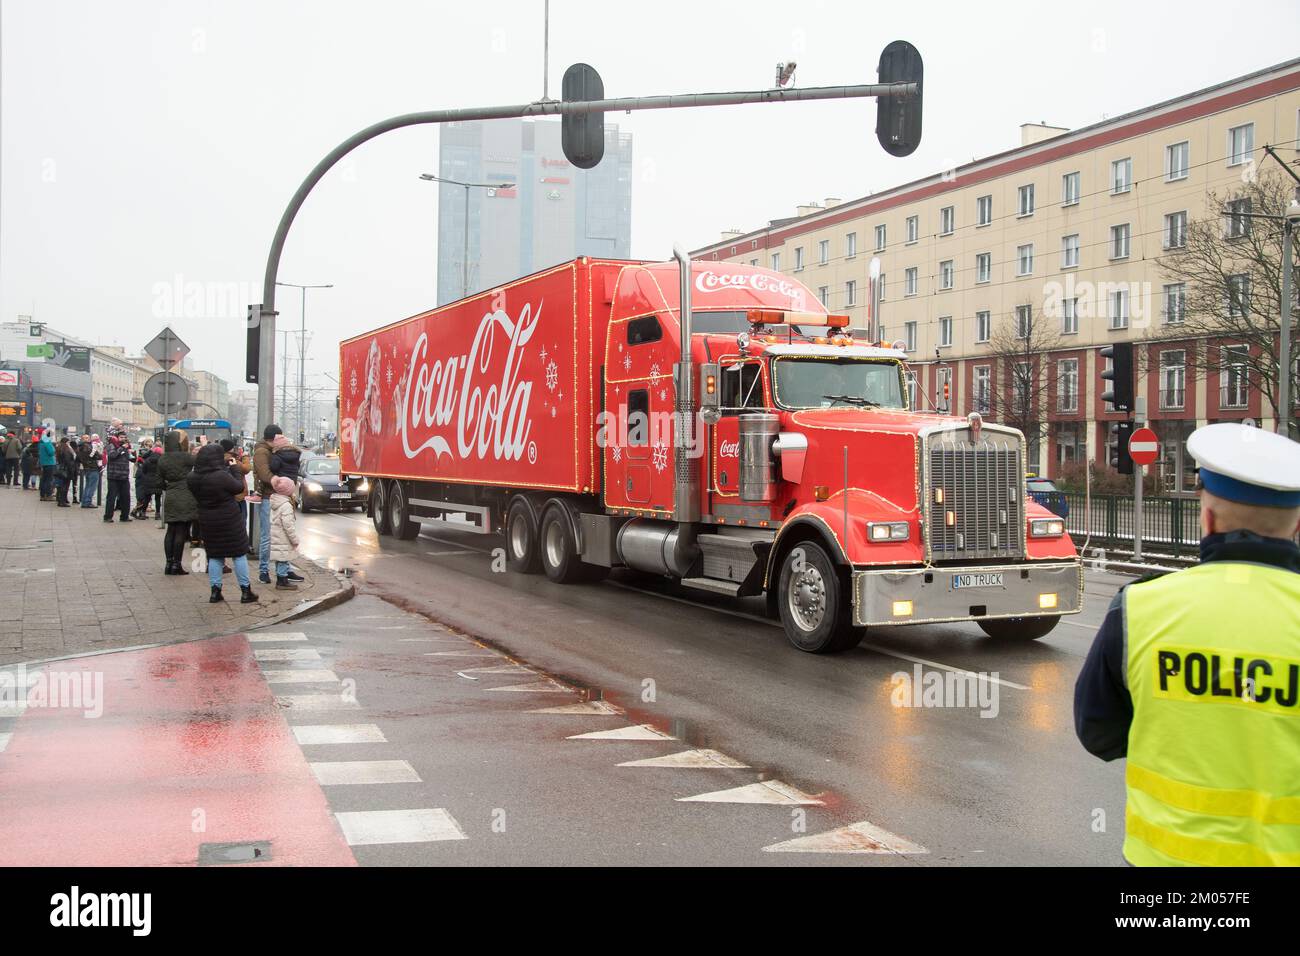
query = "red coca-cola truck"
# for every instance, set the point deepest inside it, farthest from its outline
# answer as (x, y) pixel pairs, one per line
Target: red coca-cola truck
(710, 422)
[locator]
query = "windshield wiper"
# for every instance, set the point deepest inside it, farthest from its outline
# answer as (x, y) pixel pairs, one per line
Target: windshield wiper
(853, 400)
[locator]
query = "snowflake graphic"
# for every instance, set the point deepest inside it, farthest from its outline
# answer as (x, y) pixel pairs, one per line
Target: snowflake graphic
(394, 351)
(352, 382)
(552, 376)
(660, 457)
(663, 394)
(388, 375)
(543, 354)
(627, 363)
(552, 411)
(616, 453)
(655, 374)
(620, 346)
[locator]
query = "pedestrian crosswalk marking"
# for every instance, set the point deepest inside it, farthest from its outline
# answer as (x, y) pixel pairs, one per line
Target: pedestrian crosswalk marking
(273, 637)
(862, 837)
(287, 654)
(302, 676)
(307, 703)
(600, 707)
(690, 759)
(4, 742)
(634, 732)
(462, 654)
(344, 772)
(372, 827)
(768, 791)
(308, 734)
(537, 687)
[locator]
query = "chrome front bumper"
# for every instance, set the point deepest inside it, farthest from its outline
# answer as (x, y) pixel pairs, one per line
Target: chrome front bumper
(878, 593)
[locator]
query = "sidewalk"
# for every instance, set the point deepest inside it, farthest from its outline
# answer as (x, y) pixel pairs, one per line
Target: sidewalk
(72, 583)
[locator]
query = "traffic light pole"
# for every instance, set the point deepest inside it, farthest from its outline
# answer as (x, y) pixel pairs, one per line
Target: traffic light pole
(1139, 472)
(265, 314)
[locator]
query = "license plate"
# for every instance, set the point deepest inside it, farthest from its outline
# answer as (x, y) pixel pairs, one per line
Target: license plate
(986, 580)
(341, 494)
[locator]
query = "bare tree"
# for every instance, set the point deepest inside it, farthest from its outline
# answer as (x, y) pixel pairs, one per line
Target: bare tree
(1230, 269)
(1022, 395)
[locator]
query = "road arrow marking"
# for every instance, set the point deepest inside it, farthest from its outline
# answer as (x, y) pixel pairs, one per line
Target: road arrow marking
(599, 707)
(500, 669)
(539, 687)
(861, 837)
(634, 732)
(691, 759)
(462, 654)
(768, 791)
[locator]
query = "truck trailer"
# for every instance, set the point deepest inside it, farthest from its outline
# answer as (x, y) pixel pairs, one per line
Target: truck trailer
(709, 422)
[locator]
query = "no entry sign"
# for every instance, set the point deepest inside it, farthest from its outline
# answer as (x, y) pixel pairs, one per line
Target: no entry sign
(1143, 446)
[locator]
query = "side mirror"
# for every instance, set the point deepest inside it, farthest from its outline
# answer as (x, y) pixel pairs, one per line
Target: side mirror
(710, 393)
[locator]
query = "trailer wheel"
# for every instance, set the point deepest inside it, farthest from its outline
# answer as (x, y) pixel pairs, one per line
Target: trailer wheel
(399, 513)
(1018, 628)
(379, 507)
(523, 554)
(814, 603)
(559, 549)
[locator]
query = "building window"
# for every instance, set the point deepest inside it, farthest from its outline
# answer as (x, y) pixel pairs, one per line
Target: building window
(1176, 230)
(1238, 295)
(1119, 241)
(753, 244)
(753, 262)
(798, 259)
(824, 294)
(945, 330)
(1070, 316)
(1025, 260)
(913, 229)
(947, 220)
(1026, 200)
(1237, 222)
(823, 252)
(880, 238)
(1241, 144)
(945, 274)
(909, 281)
(1067, 385)
(910, 377)
(1173, 378)
(1234, 377)
(1119, 309)
(981, 388)
(1177, 158)
(850, 245)
(909, 336)
(983, 266)
(851, 293)
(983, 210)
(1070, 251)
(1121, 176)
(1024, 321)
(983, 326)
(1175, 299)
(1070, 189)
(880, 288)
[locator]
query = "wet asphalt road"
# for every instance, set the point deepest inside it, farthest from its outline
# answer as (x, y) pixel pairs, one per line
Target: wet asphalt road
(1011, 788)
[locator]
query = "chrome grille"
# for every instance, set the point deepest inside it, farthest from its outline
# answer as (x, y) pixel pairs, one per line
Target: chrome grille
(981, 488)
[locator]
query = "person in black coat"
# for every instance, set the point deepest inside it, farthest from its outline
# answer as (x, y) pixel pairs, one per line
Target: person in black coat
(65, 470)
(215, 490)
(118, 473)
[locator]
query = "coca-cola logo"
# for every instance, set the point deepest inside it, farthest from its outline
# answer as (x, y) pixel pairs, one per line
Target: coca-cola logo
(729, 449)
(709, 281)
(487, 419)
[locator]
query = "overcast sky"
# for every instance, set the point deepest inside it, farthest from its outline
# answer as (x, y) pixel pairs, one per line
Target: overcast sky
(144, 142)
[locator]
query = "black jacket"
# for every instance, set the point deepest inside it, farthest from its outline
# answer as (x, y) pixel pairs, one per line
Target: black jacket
(174, 469)
(87, 458)
(214, 489)
(1103, 709)
(284, 462)
(146, 473)
(65, 462)
(119, 462)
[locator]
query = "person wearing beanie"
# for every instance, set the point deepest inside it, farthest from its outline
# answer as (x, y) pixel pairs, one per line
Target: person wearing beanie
(284, 531)
(262, 476)
(179, 506)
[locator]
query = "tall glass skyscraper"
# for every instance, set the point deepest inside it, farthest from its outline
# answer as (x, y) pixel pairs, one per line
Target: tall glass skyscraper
(551, 212)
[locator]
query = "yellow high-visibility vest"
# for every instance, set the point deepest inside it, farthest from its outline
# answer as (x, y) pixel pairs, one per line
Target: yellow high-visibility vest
(1213, 665)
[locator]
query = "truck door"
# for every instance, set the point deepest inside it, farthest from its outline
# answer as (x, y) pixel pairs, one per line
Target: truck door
(741, 387)
(639, 402)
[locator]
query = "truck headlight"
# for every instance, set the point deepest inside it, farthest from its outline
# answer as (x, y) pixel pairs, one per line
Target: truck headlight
(1046, 527)
(887, 531)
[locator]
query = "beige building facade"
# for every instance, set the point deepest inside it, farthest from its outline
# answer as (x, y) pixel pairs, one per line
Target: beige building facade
(1069, 229)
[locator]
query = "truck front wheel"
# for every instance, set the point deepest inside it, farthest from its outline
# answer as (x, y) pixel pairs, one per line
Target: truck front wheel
(814, 602)
(1018, 628)
(379, 506)
(522, 552)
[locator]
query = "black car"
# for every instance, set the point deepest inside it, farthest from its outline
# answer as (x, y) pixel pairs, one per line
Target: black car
(321, 485)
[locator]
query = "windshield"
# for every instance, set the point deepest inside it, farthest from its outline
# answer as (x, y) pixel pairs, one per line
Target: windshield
(322, 466)
(835, 382)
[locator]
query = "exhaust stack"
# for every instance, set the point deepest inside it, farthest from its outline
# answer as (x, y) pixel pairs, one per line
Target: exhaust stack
(686, 466)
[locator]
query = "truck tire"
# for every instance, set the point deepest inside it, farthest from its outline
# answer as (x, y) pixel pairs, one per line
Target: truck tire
(379, 507)
(814, 603)
(399, 513)
(1018, 628)
(523, 553)
(559, 548)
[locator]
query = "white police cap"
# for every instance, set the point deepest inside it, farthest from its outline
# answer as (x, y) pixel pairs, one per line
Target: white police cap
(1249, 465)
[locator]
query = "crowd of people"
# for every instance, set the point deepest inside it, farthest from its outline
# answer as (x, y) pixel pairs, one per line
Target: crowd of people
(200, 494)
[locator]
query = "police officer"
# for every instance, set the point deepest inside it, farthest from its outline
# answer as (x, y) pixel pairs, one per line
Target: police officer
(1195, 676)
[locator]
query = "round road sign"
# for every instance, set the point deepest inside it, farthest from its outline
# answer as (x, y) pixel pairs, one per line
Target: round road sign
(1143, 446)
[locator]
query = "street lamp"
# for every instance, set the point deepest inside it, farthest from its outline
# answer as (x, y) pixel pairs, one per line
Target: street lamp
(302, 336)
(430, 178)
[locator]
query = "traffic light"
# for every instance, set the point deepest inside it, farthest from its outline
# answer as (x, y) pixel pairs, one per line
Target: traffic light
(898, 118)
(1121, 460)
(1120, 375)
(253, 344)
(582, 135)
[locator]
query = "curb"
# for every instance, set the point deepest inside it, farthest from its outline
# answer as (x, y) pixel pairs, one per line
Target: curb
(345, 591)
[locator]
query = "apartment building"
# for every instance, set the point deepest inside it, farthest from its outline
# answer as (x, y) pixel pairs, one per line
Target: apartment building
(1068, 228)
